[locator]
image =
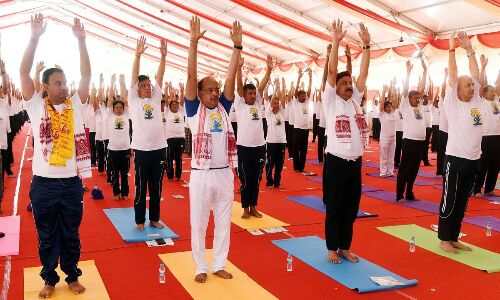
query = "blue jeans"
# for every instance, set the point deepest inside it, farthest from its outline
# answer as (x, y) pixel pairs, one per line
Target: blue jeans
(57, 210)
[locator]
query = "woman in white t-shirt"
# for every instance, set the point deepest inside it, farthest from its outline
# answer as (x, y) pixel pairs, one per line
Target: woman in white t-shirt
(276, 139)
(175, 135)
(387, 139)
(117, 124)
(4, 130)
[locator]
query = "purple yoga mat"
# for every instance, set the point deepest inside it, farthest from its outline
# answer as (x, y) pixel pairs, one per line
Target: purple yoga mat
(387, 196)
(487, 197)
(313, 161)
(482, 221)
(421, 182)
(421, 173)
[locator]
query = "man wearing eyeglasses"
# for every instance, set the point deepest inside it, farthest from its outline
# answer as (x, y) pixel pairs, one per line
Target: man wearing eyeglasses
(148, 139)
(214, 154)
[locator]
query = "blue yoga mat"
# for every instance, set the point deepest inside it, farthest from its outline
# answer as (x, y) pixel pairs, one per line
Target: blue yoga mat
(315, 179)
(312, 250)
(124, 221)
(316, 203)
(390, 197)
(421, 182)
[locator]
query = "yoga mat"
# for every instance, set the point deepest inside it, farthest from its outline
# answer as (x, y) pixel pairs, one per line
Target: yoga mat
(316, 203)
(312, 250)
(491, 198)
(482, 221)
(9, 244)
(313, 161)
(124, 222)
(253, 223)
(241, 286)
(420, 172)
(90, 279)
(370, 164)
(394, 178)
(364, 188)
(390, 197)
(477, 258)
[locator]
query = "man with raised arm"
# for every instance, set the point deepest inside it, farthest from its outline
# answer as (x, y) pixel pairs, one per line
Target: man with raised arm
(463, 150)
(413, 136)
(347, 133)
(61, 157)
(251, 143)
(213, 155)
(148, 141)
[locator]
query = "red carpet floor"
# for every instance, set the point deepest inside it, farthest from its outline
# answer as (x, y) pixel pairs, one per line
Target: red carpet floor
(130, 271)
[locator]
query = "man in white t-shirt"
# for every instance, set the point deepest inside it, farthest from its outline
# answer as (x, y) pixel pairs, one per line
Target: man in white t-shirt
(443, 129)
(214, 154)
(463, 150)
(426, 103)
(148, 140)
(61, 156)
(348, 135)
(376, 126)
(413, 136)
(300, 107)
(490, 145)
(250, 142)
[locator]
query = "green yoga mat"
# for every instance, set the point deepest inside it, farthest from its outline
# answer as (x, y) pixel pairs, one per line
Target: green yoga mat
(477, 258)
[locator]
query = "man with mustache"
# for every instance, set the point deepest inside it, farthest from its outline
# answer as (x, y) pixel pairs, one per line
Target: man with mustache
(463, 150)
(214, 154)
(60, 159)
(413, 136)
(348, 135)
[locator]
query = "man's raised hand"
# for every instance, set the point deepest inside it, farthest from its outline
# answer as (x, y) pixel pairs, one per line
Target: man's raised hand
(195, 31)
(337, 33)
(37, 26)
(78, 29)
(141, 46)
(236, 33)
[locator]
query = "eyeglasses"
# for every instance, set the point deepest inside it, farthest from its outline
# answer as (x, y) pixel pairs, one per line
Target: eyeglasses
(211, 90)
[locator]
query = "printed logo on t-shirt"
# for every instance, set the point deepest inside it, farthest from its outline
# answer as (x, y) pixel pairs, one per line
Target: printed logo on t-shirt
(494, 107)
(148, 112)
(119, 124)
(177, 119)
(215, 122)
(304, 109)
(254, 113)
(278, 121)
(418, 114)
(476, 116)
(400, 115)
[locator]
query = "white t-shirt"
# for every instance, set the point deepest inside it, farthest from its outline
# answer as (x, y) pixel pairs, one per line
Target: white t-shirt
(174, 123)
(90, 121)
(443, 120)
(399, 119)
(332, 103)
(376, 111)
(465, 124)
(321, 117)
(232, 115)
(118, 128)
(388, 125)
(491, 118)
(36, 111)
(413, 121)
(147, 134)
(4, 124)
(105, 116)
(435, 115)
(215, 124)
(275, 126)
(301, 113)
(291, 113)
(316, 106)
(427, 115)
(99, 125)
(286, 113)
(264, 107)
(249, 118)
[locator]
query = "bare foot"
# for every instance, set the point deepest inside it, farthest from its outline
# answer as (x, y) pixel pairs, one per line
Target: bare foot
(461, 246)
(255, 213)
(201, 278)
(402, 200)
(448, 247)
(348, 255)
(76, 288)
(223, 274)
(46, 292)
(479, 195)
(333, 257)
(140, 227)
(116, 198)
(124, 197)
(156, 224)
(246, 213)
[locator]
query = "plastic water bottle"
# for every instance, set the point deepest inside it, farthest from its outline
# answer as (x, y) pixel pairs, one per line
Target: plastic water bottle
(289, 263)
(488, 229)
(412, 244)
(162, 273)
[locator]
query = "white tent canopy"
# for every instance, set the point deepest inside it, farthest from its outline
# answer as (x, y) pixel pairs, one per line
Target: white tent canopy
(291, 31)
